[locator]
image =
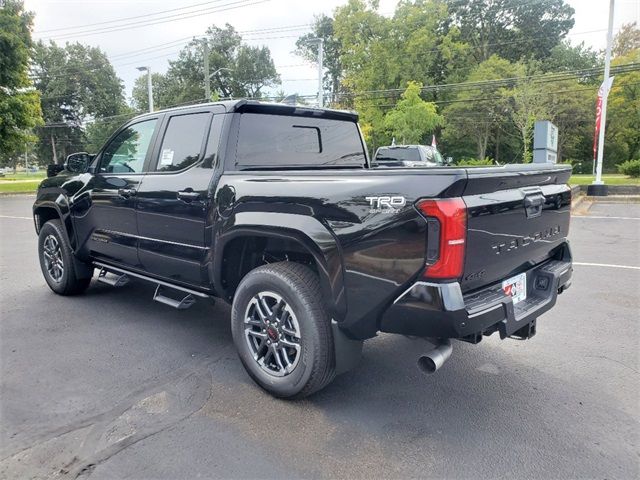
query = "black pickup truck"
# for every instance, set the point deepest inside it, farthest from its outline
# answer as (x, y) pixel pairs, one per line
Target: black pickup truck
(277, 210)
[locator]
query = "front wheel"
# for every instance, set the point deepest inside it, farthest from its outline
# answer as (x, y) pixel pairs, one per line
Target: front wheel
(282, 331)
(57, 261)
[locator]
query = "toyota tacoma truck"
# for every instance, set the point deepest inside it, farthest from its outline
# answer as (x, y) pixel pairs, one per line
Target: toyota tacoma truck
(277, 210)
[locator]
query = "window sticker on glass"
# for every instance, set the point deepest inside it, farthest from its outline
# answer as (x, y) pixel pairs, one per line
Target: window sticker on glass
(167, 157)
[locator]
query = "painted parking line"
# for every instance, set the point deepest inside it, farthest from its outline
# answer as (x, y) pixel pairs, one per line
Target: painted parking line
(607, 265)
(602, 218)
(20, 218)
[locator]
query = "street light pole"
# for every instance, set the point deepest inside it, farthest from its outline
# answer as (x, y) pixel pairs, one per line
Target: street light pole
(207, 77)
(605, 95)
(149, 85)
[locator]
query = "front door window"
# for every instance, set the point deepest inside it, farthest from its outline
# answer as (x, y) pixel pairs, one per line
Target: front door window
(127, 151)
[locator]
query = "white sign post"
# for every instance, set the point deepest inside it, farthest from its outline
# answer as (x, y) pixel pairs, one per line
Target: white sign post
(545, 142)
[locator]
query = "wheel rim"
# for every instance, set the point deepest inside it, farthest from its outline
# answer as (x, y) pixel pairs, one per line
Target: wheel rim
(53, 258)
(272, 332)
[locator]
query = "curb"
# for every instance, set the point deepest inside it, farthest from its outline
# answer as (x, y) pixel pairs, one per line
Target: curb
(17, 194)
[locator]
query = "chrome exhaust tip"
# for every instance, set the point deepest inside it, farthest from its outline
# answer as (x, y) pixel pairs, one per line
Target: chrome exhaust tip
(432, 361)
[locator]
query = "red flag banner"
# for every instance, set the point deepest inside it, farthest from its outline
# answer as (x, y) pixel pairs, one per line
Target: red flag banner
(602, 91)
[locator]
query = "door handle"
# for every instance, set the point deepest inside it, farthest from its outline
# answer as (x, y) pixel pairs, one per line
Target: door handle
(126, 192)
(188, 195)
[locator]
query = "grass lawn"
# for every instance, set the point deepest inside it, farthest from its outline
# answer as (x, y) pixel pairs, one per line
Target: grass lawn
(19, 187)
(608, 180)
(24, 176)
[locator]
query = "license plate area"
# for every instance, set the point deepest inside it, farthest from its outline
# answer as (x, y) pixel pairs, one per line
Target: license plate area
(516, 288)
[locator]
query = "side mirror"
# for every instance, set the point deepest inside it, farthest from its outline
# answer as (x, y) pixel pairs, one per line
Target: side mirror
(54, 169)
(77, 162)
(448, 161)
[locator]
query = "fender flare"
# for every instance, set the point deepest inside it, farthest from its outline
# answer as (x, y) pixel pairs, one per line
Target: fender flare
(60, 204)
(308, 232)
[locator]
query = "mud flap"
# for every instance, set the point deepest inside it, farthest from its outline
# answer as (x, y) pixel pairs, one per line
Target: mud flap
(347, 351)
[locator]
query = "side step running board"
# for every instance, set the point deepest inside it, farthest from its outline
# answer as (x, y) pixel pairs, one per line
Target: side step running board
(183, 304)
(119, 280)
(122, 277)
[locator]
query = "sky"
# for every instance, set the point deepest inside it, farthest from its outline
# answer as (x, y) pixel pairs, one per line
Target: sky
(153, 45)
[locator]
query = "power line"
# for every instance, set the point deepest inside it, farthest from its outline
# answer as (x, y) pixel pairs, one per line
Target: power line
(122, 19)
(169, 18)
(504, 82)
(309, 96)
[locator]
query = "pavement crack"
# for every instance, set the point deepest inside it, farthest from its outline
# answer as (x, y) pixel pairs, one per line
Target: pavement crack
(88, 466)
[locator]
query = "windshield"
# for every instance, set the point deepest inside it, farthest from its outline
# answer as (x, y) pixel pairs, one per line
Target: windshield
(406, 154)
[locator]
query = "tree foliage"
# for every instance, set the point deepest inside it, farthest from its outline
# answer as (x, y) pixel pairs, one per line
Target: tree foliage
(513, 29)
(323, 27)
(77, 83)
(479, 122)
(623, 114)
(495, 64)
(236, 69)
(412, 118)
(627, 39)
(19, 103)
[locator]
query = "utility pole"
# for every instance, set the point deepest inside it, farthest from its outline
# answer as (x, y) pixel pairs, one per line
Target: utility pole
(207, 77)
(598, 185)
(320, 43)
(320, 66)
(149, 85)
(26, 166)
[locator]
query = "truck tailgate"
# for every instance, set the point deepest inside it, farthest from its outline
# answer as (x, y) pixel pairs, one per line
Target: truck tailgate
(517, 216)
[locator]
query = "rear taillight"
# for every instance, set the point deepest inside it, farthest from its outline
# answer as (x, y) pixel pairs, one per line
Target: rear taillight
(447, 261)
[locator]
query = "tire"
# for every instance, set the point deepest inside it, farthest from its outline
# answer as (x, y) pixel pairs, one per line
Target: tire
(295, 315)
(57, 261)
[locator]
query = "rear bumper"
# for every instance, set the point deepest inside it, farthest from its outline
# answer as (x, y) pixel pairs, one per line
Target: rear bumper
(441, 310)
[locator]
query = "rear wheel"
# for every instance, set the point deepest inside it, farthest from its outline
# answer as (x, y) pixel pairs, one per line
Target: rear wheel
(57, 261)
(282, 331)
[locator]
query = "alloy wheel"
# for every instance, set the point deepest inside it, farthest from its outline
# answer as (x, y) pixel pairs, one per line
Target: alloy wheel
(53, 258)
(272, 333)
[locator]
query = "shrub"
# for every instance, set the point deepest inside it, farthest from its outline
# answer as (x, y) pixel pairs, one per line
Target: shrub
(630, 168)
(475, 162)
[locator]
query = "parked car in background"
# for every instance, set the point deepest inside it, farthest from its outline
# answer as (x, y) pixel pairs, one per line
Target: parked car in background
(408, 156)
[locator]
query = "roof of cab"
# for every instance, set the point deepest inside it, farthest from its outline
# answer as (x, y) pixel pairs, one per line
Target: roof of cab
(269, 108)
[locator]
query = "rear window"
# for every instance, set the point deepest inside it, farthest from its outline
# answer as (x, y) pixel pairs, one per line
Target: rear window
(290, 141)
(398, 154)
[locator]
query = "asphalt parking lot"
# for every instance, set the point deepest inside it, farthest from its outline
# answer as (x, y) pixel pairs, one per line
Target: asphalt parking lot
(113, 385)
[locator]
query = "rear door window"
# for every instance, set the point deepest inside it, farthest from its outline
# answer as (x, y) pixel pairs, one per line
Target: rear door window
(292, 141)
(183, 142)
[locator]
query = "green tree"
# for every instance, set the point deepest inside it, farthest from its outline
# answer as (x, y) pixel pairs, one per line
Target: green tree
(478, 115)
(512, 29)
(623, 115)
(528, 102)
(412, 118)
(166, 92)
(380, 53)
(77, 83)
(238, 70)
(98, 130)
(626, 40)
(323, 28)
(19, 103)
(567, 57)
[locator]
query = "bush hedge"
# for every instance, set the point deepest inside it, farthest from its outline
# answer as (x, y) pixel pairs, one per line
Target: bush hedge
(630, 168)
